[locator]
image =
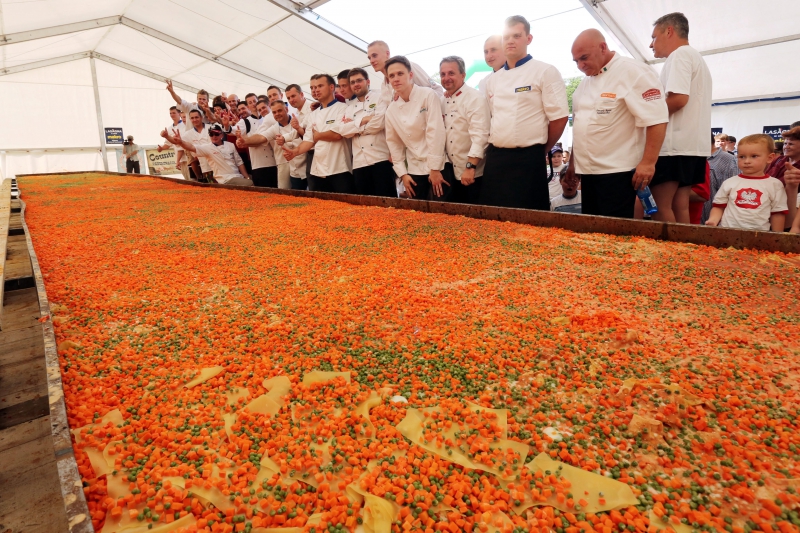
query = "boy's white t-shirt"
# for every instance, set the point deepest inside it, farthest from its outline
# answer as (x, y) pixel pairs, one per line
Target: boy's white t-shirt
(686, 72)
(749, 202)
(566, 205)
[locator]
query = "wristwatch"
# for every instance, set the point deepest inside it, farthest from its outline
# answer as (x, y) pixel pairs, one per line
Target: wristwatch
(470, 165)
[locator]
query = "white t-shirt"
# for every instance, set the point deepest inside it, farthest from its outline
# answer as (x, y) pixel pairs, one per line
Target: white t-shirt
(686, 72)
(224, 160)
(748, 202)
(199, 137)
(523, 100)
(611, 112)
(560, 204)
(330, 157)
(555, 184)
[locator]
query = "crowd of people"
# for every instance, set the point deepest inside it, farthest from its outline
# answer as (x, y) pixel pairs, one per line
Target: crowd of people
(634, 133)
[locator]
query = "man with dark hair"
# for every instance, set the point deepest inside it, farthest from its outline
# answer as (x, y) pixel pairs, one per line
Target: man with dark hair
(225, 162)
(687, 84)
(378, 53)
(185, 107)
(415, 132)
(731, 145)
(344, 85)
(331, 170)
(466, 125)
(494, 57)
(274, 93)
(302, 111)
(180, 158)
(198, 133)
(251, 99)
(528, 102)
(722, 166)
(786, 168)
(262, 155)
(363, 123)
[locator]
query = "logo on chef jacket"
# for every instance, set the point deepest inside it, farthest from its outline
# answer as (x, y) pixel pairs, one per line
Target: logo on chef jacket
(372, 105)
(331, 121)
(748, 198)
(608, 95)
(651, 94)
(423, 109)
(525, 89)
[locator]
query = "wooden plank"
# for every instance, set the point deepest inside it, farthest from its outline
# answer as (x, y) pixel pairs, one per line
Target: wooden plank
(21, 309)
(24, 433)
(25, 412)
(18, 460)
(15, 343)
(5, 217)
(33, 504)
(18, 262)
(26, 376)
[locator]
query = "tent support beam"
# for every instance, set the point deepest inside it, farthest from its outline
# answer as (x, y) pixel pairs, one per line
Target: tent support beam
(54, 31)
(125, 21)
(101, 132)
(44, 63)
(143, 72)
(743, 46)
(309, 16)
(83, 55)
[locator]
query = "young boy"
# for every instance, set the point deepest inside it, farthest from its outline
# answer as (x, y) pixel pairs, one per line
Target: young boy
(751, 200)
(570, 200)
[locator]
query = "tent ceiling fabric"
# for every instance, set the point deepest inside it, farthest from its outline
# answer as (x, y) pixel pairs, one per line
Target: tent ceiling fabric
(765, 43)
(219, 45)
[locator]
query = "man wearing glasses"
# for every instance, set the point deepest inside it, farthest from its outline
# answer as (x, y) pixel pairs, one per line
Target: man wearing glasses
(225, 162)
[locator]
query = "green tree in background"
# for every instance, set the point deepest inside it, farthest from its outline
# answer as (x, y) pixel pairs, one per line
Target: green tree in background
(572, 84)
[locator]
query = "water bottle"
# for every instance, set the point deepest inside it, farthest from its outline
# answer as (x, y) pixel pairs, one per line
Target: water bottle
(648, 202)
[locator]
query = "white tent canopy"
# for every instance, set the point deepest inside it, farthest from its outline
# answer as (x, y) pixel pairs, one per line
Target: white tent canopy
(69, 68)
(749, 48)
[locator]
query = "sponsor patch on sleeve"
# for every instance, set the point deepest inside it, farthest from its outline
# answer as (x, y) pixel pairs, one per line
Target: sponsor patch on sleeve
(651, 94)
(525, 89)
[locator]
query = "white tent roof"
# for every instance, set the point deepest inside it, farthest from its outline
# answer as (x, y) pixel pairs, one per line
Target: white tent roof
(218, 45)
(749, 46)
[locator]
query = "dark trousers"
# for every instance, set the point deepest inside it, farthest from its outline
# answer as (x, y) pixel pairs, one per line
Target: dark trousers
(245, 155)
(516, 177)
(464, 194)
(376, 180)
(299, 184)
(608, 195)
(341, 183)
(309, 161)
(265, 177)
(132, 166)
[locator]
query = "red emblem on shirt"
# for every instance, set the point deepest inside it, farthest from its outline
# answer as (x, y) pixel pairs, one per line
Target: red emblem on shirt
(651, 94)
(748, 198)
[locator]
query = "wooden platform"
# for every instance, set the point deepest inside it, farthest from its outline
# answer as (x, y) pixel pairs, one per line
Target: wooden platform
(31, 499)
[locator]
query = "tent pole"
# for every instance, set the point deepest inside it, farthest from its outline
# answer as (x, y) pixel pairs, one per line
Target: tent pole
(100, 129)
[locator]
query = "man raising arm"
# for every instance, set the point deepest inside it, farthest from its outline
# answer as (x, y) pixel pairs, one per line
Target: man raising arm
(225, 162)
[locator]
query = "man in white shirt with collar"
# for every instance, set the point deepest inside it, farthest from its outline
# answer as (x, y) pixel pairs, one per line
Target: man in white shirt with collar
(415, 133)
(198, 133)
(186, 107)
(378, 53)
(528, 102)
(687, 83)
(180, 157)
(363, 122)
(262, 155)
(620, 118)
(494, 57)
(466, 124)
(278, 131)
(331, 170)
(225, 162)
(302, 110)
(252, 100)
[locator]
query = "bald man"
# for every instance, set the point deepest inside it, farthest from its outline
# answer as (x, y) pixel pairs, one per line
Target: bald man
(620, 119)
(378, 53)
(494, 57)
